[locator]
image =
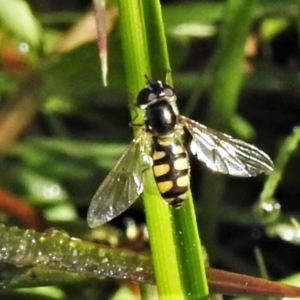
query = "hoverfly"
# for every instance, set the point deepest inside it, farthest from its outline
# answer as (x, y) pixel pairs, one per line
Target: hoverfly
(159, 145)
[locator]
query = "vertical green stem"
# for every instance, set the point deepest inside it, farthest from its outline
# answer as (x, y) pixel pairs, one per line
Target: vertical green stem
(226, 81)
(298, 21)
(187, 246)
(175, 244)
(162, 243)
(164, 259)
(227, 76)
(157, 45)
(286, 150)
(134, 49)
(189, 252)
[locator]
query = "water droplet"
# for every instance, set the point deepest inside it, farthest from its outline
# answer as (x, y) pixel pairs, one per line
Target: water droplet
(55, 232)
(132, 230)
(23, 47)
(3, 285)
(104, 260)
(267, 210)
(139, 269)
(4, 254)
(286, 232)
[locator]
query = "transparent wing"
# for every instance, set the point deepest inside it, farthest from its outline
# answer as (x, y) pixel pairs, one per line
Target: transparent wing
(121, 187)
(222, 153)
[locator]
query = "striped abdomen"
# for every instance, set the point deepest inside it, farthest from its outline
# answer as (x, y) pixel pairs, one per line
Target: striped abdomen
(171, 170)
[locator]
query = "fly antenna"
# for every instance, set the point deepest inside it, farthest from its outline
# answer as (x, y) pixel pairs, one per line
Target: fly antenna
(147, 78)
(168, 75)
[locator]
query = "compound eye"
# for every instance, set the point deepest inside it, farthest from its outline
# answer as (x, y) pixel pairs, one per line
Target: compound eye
(151, 97)
(168, 90)
(144, 97)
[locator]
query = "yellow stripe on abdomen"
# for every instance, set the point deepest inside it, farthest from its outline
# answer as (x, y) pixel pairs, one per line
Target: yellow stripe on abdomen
(158, 155)
(181, 163)
(171, 170)
(160, 170)
(183, 181)
(165, 186)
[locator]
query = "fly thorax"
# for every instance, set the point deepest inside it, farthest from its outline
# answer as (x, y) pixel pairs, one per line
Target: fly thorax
(160, 118)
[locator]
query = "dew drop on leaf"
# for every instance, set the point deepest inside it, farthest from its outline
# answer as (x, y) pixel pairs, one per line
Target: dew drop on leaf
(267, 210)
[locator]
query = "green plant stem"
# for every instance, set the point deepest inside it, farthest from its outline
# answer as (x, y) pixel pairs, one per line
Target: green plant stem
(175, 244)
(157, 43)
(134, 50)
(189, 251)
(227, 76)
(60, 252)
(165, 261)
(298, 21)
(225, 85)
(286, 150)
(181, 223)
(157, 216)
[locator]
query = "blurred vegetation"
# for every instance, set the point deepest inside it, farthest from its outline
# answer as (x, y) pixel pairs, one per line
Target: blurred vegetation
(61, 131)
